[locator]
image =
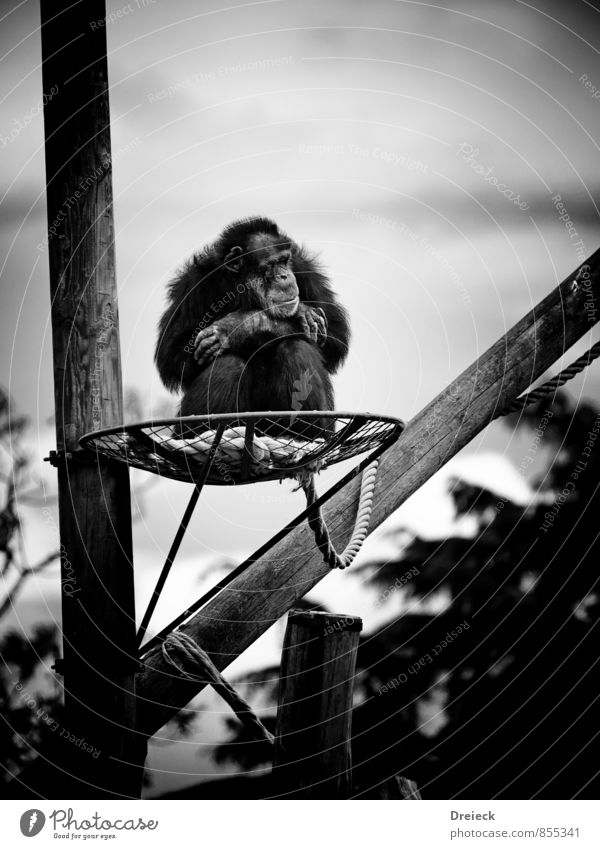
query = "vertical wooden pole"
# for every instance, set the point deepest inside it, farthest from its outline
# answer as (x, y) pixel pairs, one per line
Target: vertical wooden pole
(313, 756)
(98, 617)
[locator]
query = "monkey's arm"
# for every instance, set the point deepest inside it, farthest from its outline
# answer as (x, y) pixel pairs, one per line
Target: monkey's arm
(174, 349)
(316, 292)
(242, 331)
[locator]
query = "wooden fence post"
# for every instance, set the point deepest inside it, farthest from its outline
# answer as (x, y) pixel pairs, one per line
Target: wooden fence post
(100, 754)
(313, 758)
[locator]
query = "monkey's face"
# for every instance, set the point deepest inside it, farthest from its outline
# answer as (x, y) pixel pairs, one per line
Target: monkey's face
(266, 276)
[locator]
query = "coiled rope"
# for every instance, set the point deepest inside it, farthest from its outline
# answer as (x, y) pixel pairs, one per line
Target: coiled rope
(554, 383)
(361, 525)
(335, 560)
(189, 654)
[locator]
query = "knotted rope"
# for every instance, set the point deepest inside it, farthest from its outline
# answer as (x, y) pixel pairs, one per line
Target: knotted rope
(204, 671)
(554, 383)
(361, 525)
(365, 505)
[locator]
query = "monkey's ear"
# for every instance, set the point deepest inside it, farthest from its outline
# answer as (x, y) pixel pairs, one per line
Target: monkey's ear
(233, 260)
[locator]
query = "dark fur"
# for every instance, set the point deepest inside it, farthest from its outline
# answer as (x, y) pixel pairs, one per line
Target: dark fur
(263, 373)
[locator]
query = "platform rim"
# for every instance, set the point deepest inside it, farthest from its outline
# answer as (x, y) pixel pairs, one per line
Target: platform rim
(220, 417)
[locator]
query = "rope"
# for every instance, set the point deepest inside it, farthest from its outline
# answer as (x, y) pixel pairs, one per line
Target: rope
(555, 383)
(361, 525)
(315, 518)
(205, 672)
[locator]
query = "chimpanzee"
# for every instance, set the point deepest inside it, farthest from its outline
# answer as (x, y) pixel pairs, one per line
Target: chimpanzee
(252, 324)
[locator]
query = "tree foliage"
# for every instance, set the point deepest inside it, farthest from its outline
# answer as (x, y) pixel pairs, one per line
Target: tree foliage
(495, 696)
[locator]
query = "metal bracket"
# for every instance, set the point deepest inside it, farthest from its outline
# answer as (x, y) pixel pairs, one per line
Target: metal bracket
(79, 457)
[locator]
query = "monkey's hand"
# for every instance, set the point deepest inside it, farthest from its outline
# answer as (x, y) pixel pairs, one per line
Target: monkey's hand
(211, 342)
(228, 333)
(313, 323)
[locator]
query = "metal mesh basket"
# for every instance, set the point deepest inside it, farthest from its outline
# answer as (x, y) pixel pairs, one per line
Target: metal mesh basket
(244, 447)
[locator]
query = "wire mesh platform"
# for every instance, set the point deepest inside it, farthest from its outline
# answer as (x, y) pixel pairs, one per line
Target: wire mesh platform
(242, 448)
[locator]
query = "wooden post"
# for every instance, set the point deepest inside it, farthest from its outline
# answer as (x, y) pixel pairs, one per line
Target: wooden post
(313, 756)
(98, 617)
(258, 597)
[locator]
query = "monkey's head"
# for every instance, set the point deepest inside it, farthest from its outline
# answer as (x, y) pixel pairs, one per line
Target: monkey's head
(259, 258)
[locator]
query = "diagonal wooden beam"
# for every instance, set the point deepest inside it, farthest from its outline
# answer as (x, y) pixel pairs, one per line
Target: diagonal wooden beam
(235, 618)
